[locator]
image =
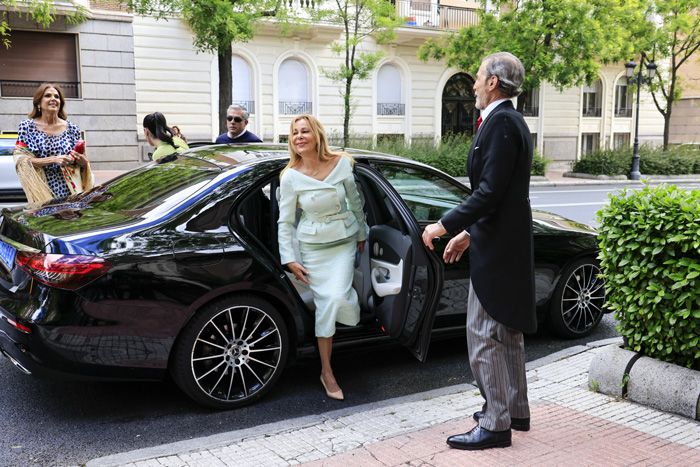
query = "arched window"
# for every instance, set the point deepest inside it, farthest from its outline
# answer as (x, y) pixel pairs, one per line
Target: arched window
(592, 99)
(623, 103)
(293, 84)
(242, 78)
(390, 91)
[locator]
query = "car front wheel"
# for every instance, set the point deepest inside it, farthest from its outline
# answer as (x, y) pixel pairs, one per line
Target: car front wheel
(578, 299)
(231, 353)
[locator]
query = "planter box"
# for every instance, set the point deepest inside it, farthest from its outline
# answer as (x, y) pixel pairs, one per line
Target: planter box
(651, 382)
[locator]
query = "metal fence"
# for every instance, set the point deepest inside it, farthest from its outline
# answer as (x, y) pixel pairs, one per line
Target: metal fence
(391, 109)
(28, 88)
(532, 110)
(591, 112)
(248, 105)
(623, 111)
(295, 108)
(427, 14)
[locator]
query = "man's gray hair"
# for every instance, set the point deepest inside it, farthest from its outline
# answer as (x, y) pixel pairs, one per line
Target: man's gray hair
(508, 69)
(239, 108)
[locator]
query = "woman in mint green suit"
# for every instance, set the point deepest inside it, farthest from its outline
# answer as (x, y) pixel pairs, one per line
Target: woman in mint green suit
(331, 228)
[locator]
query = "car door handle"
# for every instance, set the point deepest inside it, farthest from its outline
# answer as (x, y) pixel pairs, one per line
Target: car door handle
(386, 277)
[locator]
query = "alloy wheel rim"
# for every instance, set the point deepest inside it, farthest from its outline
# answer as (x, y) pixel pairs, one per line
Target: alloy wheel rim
(583, 298)
(236, 353)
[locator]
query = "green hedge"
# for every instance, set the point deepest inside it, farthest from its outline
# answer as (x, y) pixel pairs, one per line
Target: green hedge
(650, 257)
(450, 156)
(652, 161)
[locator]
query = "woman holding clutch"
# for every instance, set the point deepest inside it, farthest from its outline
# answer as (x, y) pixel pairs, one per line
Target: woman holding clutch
(46, 161)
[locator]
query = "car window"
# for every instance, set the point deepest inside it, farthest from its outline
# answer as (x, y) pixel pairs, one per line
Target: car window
(427, 194)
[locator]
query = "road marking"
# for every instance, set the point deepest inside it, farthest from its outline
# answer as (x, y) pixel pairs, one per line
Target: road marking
(595, 203)
(575, 191)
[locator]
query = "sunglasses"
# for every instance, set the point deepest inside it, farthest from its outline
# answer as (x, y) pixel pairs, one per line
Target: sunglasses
(235, 119)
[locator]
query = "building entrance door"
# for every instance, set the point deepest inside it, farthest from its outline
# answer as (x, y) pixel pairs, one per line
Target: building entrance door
(459, 113)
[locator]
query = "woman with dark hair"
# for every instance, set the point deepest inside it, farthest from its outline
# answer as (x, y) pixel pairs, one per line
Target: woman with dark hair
(160, 136)
(178, 133)
(49, 154)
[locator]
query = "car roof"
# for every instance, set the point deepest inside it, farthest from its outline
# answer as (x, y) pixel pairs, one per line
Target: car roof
(229, 156)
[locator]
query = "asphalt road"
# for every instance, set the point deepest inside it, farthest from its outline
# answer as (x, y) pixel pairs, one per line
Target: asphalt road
(67, 423)
(580, 202)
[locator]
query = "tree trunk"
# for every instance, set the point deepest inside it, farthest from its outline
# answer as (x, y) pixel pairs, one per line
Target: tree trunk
(225, 85)
(346, 118)
(667, 121)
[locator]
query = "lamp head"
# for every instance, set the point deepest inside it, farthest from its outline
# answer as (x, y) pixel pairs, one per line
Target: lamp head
(651, 69)
(629, 68)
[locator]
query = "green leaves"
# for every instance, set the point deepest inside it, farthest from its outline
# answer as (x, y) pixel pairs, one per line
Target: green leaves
(562, 42)
(650, 256)
(42, 12)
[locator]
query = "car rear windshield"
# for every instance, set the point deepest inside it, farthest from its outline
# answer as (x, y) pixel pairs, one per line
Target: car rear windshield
(151, 186)
(144, 193)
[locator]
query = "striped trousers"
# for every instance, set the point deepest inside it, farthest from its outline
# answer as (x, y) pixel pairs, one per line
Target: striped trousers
(497, 360)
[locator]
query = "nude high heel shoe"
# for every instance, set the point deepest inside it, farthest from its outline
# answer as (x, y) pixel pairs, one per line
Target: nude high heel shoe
(337, 395)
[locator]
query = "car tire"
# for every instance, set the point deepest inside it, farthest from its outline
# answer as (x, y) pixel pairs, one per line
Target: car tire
(231, 353)
(577, 302)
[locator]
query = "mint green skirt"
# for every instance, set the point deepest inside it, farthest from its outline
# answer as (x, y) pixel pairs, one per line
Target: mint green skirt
(331, 268)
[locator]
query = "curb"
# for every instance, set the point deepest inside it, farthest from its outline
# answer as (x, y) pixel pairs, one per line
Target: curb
(231, 437)
(647, 381)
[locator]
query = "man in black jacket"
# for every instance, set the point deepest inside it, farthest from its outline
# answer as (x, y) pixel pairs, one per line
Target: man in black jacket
(495, 223)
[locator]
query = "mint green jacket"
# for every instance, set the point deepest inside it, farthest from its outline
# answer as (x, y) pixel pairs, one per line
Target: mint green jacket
(331, 209)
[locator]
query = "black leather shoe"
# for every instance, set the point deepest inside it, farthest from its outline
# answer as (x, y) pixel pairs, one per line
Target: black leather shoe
(480, 438)
(518, 424)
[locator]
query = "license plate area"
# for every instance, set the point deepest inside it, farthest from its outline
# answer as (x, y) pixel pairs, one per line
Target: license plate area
(7, 255)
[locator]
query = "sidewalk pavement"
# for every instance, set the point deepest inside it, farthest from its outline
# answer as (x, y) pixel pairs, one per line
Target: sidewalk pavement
(571, 425)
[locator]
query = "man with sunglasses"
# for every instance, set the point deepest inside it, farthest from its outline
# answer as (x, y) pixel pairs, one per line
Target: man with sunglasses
(236, 122)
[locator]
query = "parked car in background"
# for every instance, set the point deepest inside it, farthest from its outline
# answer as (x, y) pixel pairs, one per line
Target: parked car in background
(10, 187)
(174, 267)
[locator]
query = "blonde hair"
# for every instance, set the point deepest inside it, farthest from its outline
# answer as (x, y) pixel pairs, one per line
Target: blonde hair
(324, 152)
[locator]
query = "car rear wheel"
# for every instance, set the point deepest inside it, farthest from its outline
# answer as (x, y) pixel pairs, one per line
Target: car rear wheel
(231, 353)
(578, 299)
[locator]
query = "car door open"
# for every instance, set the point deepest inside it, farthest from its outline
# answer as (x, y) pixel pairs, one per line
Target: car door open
(406, 279)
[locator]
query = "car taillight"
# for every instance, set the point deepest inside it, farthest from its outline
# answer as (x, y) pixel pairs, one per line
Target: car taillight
(68, 272)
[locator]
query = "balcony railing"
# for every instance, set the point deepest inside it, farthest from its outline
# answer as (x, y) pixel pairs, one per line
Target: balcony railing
(248, 105)
(295, 108)
(28, 88)
(427, 14)
(591, 112)
(623, 112)
(531, 111)
(391, 109)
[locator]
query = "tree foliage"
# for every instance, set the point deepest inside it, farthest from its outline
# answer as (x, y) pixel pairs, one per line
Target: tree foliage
(563, 42)
(673, 36)
(360, 21)
(215, 25)
(42, 12)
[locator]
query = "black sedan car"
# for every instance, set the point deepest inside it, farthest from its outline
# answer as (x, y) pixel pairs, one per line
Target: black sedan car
(174, 267)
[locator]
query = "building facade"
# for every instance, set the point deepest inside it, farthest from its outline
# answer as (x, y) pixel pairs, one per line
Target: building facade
(277, 77)
(685, 118)
(124, 67)
(94, 64)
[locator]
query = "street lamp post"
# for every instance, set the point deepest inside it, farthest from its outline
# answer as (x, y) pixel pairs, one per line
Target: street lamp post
(638, 80)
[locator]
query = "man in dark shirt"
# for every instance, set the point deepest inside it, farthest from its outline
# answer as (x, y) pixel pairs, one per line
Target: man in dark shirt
(236, 121)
